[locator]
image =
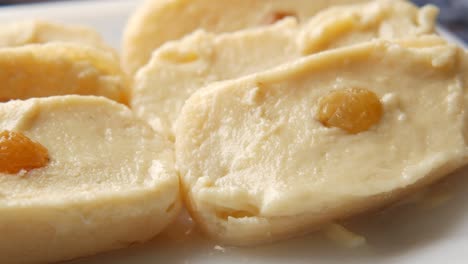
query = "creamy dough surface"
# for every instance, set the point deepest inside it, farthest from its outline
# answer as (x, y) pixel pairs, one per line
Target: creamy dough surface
(258, 166)
(42, 70)
(110, 181)
(21, 33)
(180, 68)
(158, 21)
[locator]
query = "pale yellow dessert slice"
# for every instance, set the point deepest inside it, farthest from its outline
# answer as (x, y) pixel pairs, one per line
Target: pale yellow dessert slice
(20, 33)
(179, 68)
(158, 21)
(80, 175)
(42, 70)
(283, 152)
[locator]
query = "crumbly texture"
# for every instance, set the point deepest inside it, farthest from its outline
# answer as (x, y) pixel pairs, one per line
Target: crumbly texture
(42, 70)
(256, 165)
(110, 181)
(179, 68)
(158, 21)
(15, 34)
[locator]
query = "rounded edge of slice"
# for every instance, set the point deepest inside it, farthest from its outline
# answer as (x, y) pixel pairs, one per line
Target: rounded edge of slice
(41, 70)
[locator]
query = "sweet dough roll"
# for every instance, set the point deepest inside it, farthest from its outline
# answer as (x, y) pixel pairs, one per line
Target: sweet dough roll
(158, 21)
(259, 163)
(42, 70)
(110, 180)
(179, 68)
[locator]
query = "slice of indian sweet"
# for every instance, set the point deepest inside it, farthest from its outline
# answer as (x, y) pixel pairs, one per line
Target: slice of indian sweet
(42, 70)
(158, 21)
(179, 68)
(283, 152)
(80, 175)
(20, 33)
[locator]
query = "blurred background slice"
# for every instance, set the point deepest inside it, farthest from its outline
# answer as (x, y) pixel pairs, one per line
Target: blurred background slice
(453, 15)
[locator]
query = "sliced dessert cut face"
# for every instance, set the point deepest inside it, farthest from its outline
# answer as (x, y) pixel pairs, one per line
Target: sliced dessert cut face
(91, 177)
(181, 67)
(42, 70)
(158, 21)
(26, 32)
(285, 151)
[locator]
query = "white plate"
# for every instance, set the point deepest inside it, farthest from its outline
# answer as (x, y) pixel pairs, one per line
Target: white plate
(415, 233)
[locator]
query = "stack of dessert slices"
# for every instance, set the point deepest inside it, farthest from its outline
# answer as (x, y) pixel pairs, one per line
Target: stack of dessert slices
(267, 118)
(79, 172)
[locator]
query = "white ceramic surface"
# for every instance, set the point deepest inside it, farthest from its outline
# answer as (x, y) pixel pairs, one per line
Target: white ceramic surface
(430, 232)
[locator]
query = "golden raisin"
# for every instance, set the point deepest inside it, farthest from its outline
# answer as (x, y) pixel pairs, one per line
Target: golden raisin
(354, 110)
(18, 152)
(280, 15)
